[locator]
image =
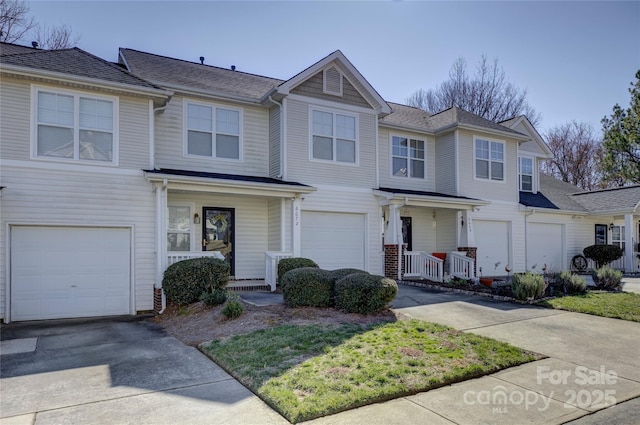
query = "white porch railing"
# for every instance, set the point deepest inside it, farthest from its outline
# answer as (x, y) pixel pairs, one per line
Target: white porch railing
(272, 258)
(617, 264)
(175, 256)
(461, 265)
(420, 264)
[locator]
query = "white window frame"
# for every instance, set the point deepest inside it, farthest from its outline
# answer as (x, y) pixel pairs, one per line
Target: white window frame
(619, 242)
(76, 94)
(192, 229)
(408, 157)
(334, 138)
(214, 107)
(520, 173)
(490, 161)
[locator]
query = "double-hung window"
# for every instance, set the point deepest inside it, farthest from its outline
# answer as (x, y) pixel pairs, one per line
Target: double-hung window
(617, 236)
(407, 157)
(74, 126)
(525, 174)
(489, 156)
(213, 131)
(179, 228)
(333, 136)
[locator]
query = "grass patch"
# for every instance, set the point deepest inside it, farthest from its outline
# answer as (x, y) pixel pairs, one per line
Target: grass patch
(306, 372)
(618, 305)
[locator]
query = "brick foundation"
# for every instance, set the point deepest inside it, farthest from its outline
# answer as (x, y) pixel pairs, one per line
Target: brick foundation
(391, 261)
(472, 252)
(157, 300)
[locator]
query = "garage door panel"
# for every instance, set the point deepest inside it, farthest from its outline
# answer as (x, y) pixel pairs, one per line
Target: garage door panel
(334, 240)
(545, 246)
(493, 242)
(64, 272)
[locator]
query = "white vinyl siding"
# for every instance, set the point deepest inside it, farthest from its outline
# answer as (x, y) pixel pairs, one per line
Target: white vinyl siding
(300, 166)
(333, 136)
(251, 228)
(38, 196)
(491, 190)
(274, 142)
(170, 132)
(213, 131)
(445, 176)
(76, 126)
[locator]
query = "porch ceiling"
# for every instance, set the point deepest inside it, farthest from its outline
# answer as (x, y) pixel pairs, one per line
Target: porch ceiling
(426, 199)
(195, 181)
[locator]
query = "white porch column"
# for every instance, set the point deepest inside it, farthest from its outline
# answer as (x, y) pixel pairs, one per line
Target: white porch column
(393, 234)
(630, 242)
(296, 231)
(465, 224)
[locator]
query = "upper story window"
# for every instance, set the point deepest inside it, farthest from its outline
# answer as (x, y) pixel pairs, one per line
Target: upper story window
(333, 136)
(489, 157)
(525, 174)
(213, 131)
(407, 157)
(75, 126)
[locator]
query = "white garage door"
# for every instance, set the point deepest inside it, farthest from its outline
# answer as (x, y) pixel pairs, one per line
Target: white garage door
(493, 241)
(544, 246)
(63, 272)
(334, 240)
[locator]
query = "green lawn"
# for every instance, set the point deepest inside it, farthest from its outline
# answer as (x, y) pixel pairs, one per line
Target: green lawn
(618, 305)
(309, 371)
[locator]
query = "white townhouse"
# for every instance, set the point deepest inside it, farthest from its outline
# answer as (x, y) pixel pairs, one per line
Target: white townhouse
(111, 172)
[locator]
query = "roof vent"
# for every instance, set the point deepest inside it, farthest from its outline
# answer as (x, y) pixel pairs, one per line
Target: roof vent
(201, 60)
(34, 44)
(233, 67)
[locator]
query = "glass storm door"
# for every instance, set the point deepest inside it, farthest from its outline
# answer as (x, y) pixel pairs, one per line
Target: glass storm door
(218, 231)
(406, 232)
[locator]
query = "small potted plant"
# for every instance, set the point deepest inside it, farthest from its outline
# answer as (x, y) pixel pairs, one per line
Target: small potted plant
(486, 281)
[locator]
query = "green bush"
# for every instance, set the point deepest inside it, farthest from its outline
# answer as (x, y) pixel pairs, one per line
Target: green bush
(185, 281)
(609, 279)
(571, 283)
(233, 307)
(364, 293)
(288, 264)
(338, 274)
(211, 299)
(527, 286)
(602, 254)
(307, 286)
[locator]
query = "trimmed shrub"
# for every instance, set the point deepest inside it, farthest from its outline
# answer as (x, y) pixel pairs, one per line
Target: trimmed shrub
(570, 283)
(527, 286)
(338, 274)
(233, 307)
(609, 279)
(307, 286)
(602, 254)
(364, 293)
(185, 281)
(288, 264)
(212, 299)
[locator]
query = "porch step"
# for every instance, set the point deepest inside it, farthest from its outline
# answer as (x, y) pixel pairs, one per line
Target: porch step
(248, 285)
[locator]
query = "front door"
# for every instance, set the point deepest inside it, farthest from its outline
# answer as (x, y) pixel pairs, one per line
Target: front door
(406, 232)
(218, 229)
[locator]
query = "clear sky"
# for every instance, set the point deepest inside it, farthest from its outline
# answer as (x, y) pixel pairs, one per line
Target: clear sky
(576, 59)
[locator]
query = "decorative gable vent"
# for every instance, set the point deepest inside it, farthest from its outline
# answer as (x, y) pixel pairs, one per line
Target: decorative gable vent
(332, 81)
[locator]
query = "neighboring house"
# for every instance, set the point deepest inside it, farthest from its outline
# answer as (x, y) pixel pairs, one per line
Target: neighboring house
(111, 173)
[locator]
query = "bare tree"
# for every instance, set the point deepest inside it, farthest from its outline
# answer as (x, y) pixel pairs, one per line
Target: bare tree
(15, 21)
(488, 93)
(55, 38)
(16, 25)
(577, 155)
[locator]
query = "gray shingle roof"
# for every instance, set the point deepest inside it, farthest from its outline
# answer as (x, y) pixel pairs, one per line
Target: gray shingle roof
(407, 116)
(559, 193)
(75, 62)
(176, 73)
(622, 198)
(12, 49)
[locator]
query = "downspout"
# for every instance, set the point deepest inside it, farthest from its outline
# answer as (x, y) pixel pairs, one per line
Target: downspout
(526, 238)
(281, 168)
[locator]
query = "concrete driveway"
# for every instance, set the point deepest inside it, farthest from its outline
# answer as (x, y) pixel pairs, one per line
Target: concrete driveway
(115, 372)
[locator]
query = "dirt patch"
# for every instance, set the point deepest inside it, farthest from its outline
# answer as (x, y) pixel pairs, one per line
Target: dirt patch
(197, 323)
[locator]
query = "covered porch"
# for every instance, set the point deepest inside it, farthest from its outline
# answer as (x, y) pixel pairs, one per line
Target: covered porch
(242, 220)
(428, 235)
